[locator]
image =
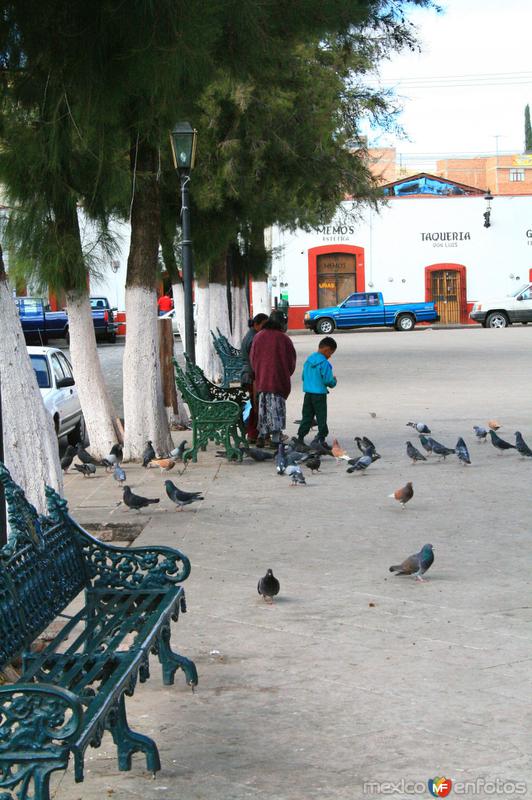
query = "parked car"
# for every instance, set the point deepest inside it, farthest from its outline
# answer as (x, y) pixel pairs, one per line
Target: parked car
(367, 309)
(38, 322)
(58, 390)
(99, 304)
(499, 312)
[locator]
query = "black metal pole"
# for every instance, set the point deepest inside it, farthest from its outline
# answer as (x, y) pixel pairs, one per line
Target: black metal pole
(3, 521)
(188, 269)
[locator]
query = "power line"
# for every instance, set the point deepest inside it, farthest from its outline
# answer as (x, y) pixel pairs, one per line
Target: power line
(456, 81)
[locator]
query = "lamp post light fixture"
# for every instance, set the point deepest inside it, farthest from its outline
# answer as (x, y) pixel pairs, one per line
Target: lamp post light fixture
(488, 197)
(183, 140)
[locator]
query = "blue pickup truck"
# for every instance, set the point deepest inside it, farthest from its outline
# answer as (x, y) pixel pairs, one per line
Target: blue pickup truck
(38, 322)
(367, 309)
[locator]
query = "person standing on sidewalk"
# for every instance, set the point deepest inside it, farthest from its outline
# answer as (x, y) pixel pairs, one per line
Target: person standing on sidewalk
(273, 360)
(165, 303)
(317, 379)
(247, 377)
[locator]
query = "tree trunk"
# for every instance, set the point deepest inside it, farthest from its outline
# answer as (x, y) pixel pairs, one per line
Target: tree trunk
(261, 300)
(144, 412)
(240, 307)
(97, 407)
(211, 301)
(205, 356)
(31, 451)
(179, 306)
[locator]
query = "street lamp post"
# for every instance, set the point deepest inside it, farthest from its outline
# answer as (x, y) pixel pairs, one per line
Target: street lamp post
(183, 142)
(487, 213)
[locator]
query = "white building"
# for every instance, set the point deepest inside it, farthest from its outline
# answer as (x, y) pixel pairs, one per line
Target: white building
(427, 242)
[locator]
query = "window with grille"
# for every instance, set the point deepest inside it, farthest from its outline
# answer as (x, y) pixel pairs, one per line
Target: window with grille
(517, 174)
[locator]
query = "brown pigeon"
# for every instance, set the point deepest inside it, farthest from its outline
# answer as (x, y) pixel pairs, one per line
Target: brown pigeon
(338, 452)
(403, 495)
(164, 464)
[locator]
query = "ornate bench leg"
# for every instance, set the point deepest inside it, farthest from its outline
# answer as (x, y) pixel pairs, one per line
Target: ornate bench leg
(17, 779)
(129, 742)
(171, 661)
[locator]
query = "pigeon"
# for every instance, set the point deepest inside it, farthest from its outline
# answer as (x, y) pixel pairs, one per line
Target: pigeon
(501, 444)
(177, 452)
(419, 426)
(86, 469)
(321, 448)
(299, 445)
(268, 586)
(280, 460)
(493, 425)
(426, 443)
(84, 456)
(257, 454)
(403, 495)
(180, 498)
(148, 454)
(296, 474)
(413, 453)
(109, 462)
(363, 443)
(462, 452)
(295, 457)
(313, 463)
(338, 452)
(119, 474)
(521, 445)
(362, 463)
(135, 501)
(417, 564)
(68, 458)
(441, 450)
(480, 433)
(116, 450)
(164, 464)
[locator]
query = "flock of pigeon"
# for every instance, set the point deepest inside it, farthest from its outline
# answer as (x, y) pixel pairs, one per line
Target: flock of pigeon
(112, 463)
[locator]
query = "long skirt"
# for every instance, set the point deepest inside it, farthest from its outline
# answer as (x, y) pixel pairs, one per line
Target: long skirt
(272, 414)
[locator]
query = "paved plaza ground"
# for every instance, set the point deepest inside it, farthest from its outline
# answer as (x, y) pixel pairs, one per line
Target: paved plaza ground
(353, 676)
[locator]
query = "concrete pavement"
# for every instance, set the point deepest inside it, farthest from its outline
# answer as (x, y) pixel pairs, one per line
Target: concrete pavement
(353, 677)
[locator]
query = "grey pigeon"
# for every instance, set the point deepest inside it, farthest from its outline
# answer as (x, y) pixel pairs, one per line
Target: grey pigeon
(257, 454)
(299, 445)
(480, 432)
(180, 498)
(86, 469)
(296, 474)
(426, 443)
(68, 457)
(363, 443)
(177, 452)
(413, 453)
(313, 463)
(84, 456)
(462, 452)
(319, 447)
(280, 460)
(116, 450)
(295, 457)
(148, 454)
(109, 462)
(361, 464)
(135, 501)
(268, 586)
(419, 426)
(521, 445)
(441, 450)
(417, 564)
(119, 474)
(501, 444)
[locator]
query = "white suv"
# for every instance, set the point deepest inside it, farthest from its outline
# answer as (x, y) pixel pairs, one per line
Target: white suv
(498, 312)
(58, 390)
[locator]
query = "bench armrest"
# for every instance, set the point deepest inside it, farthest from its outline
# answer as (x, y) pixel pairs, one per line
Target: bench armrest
(34, 717)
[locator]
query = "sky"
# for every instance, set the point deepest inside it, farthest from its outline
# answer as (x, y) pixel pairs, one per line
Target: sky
(484, 45)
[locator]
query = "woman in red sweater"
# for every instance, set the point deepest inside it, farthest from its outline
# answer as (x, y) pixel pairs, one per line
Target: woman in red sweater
(273, 360)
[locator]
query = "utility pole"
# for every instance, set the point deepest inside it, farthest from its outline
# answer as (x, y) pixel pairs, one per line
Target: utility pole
(497, 136)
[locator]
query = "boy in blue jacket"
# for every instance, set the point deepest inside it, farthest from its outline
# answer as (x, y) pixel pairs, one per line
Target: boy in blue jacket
(317, 377)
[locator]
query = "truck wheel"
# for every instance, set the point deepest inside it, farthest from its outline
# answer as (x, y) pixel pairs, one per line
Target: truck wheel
(404, 322)
(79, 434)
(497, 319)
(325, 325)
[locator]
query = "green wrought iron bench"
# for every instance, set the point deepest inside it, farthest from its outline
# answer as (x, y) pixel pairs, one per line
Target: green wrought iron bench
(230, 357)
(74, 689)
(218, 421)
(208, 390)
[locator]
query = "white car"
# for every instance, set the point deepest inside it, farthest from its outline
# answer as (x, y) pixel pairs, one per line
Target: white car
(499, 312)
(58, 390)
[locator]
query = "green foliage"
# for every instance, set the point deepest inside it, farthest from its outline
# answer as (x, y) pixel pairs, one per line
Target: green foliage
(528, 130)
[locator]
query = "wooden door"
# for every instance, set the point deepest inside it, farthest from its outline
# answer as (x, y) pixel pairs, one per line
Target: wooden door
(336, 278)
(445, 290)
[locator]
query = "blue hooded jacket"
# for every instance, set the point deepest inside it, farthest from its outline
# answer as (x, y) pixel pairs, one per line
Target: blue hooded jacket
(317, 374)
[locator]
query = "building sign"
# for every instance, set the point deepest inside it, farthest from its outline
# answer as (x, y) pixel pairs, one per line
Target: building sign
(446, 238)
(523, 161)
(529, 236)
(335, 232)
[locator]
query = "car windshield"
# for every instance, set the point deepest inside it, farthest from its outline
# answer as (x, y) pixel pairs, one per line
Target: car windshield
(523, 288)
(97, 302)
(40, 365)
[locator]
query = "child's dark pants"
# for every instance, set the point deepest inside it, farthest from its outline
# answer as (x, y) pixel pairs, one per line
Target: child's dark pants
(314, 405)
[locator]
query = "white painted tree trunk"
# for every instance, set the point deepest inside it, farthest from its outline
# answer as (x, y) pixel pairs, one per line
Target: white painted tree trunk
(144, 412)
(211, 303)
(179, 306)
(261, 298)
(31, 451)
(96, 404)
(240, 314)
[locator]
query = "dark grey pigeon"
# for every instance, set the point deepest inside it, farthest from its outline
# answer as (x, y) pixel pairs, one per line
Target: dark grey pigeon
(177, 452)
(84, 456)
(148, 454)
(295, 457)
(86, 469)
(135, 501)
(417, 564)
(313, 463)
(363, 443)
(480, 432)
(462, 452)
(521, 445)
(419, 426)
(501, 444)
(280, 460)
(413, 453)
(426, 443)
(180, 498)
(68, 458)
(360, 464)
(257, 454)
(268, 586)
(320, 448)
(441, 450)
